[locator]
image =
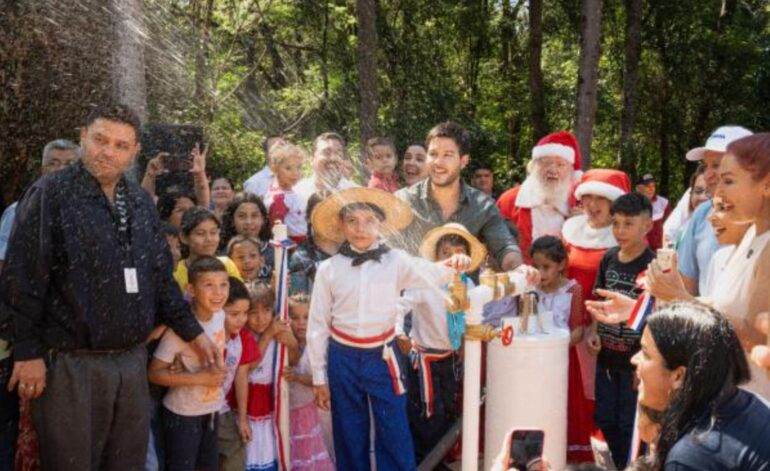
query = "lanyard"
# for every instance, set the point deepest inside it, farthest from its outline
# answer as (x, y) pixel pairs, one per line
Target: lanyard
(122, 219)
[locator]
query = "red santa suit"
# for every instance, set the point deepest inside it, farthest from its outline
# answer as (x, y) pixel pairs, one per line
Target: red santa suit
(523, 206)
(585, 247)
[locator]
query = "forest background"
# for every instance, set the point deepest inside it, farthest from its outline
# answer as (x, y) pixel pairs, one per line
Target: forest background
(639, 81)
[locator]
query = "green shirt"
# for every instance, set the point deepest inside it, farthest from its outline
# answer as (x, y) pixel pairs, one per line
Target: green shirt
(476, 211)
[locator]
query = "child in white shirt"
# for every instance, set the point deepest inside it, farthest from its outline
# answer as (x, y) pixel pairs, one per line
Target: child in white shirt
(352, 325)
(195, 394)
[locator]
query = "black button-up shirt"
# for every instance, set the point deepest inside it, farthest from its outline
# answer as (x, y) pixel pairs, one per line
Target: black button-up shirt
(476, 211)
(63, 281)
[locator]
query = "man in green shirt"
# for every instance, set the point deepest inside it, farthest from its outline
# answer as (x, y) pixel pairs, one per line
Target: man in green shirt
(443, 197)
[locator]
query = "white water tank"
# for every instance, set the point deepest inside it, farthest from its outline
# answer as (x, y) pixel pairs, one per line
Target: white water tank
(527, 389)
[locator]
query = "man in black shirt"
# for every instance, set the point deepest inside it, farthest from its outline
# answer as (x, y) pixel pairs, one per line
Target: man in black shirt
(618, 271)
(88, 275)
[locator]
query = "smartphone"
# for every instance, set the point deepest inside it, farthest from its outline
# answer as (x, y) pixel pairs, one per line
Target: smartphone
(177, 162)
(526, 453)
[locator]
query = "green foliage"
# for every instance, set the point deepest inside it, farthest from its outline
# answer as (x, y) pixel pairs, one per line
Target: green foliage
(255, 68)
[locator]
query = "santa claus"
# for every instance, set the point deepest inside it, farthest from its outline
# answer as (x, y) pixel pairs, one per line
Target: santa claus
(540, 205)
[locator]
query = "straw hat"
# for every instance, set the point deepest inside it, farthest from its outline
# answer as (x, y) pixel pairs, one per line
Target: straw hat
(326, 215)
(428, 246)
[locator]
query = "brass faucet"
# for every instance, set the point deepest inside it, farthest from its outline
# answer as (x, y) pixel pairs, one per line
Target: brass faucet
(457, 299)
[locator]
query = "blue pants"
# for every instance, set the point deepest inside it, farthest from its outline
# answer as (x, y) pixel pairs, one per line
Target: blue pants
(615, 411)
(356, 378)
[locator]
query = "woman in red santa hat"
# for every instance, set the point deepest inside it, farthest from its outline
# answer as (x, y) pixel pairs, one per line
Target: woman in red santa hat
(587, 236)
(543, 201)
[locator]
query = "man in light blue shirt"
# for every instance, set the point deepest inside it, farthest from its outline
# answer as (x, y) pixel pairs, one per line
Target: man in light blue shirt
(6, 222)
(699, 243)
(57, 155)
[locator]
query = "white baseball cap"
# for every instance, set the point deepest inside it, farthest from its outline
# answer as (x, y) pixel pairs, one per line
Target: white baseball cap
(718, 141)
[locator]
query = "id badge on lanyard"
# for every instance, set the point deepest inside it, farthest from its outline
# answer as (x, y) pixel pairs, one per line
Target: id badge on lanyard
(132, 283)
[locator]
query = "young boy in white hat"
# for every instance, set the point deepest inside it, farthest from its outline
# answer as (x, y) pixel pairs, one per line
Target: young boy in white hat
(432, 373)
(351, 328)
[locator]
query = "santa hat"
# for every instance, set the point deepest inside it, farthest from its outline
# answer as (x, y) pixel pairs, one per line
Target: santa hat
(610, 184)
(558, 144)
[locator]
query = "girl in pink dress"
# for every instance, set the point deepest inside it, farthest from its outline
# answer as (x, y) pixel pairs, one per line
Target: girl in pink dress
(308, 450)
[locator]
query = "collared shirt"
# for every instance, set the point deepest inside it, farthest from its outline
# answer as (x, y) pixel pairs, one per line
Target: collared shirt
(64, 281)
(260, 182)
(476, 211)
(699, 243)
(429, 316)
(307, 186)
(361, 301)
(6, 223)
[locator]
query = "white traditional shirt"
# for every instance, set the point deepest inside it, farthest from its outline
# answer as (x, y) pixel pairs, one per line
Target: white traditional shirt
(307, 186)
(293, 205)
(361, 301)
(429, 321)
(232, 360)
(260, 182)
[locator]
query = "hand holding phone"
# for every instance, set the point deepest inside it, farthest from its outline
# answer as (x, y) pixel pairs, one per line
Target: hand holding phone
(177, 162)
(526, 452)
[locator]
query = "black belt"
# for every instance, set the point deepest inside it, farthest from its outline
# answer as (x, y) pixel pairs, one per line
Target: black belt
(94, 351)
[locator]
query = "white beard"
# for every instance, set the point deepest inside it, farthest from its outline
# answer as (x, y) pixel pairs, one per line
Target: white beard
(545, 193)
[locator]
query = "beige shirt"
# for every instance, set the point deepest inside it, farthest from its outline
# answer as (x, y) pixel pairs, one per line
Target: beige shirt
(743, 293)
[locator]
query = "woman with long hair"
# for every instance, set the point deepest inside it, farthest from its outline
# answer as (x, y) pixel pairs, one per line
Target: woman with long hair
(690, 368)
(247, 216)
(743, 194)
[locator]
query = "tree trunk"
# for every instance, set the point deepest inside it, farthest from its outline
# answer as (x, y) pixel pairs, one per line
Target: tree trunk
(663, 145)
(588, 75)
(367, 68)
(325, 55)
(630, 77)
(128, 73)
(537, 100)
(277, 76)
(201, 21)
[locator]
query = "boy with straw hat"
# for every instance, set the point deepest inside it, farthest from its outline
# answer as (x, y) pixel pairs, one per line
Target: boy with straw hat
(351, 329)
(432, 379)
